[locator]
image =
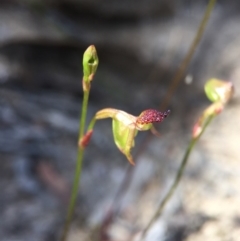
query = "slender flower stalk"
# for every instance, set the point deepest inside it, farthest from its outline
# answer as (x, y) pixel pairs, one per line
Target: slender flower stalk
(90, 63)
(219, 92)
(177, 179)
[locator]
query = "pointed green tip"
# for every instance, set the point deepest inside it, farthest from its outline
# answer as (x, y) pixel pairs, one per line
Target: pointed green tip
(90, 63)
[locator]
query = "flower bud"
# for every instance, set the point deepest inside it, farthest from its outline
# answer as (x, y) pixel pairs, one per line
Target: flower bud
(90, 63)
(218, 90)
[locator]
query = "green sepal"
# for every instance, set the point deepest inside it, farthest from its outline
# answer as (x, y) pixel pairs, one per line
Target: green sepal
(124, 137)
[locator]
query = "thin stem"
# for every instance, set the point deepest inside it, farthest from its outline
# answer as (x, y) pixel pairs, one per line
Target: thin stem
(84, 112)
(185, 63)
(78, 169)
(91, 124)
(176, 180)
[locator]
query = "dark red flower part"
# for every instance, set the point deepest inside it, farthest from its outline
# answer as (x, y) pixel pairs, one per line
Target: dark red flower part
(150, 116)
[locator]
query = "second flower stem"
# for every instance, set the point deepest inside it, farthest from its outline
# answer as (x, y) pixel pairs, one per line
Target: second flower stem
(176, 180)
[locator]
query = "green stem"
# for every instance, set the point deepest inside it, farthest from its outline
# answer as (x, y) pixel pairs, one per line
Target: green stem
(84, 113)
(91, 124)
(176, 180)
(78, 169)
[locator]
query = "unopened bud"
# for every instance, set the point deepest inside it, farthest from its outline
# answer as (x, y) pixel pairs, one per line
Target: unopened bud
(90, 63)
(218, 90)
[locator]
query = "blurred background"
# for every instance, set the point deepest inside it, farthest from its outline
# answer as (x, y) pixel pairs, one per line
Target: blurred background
(140, 44)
